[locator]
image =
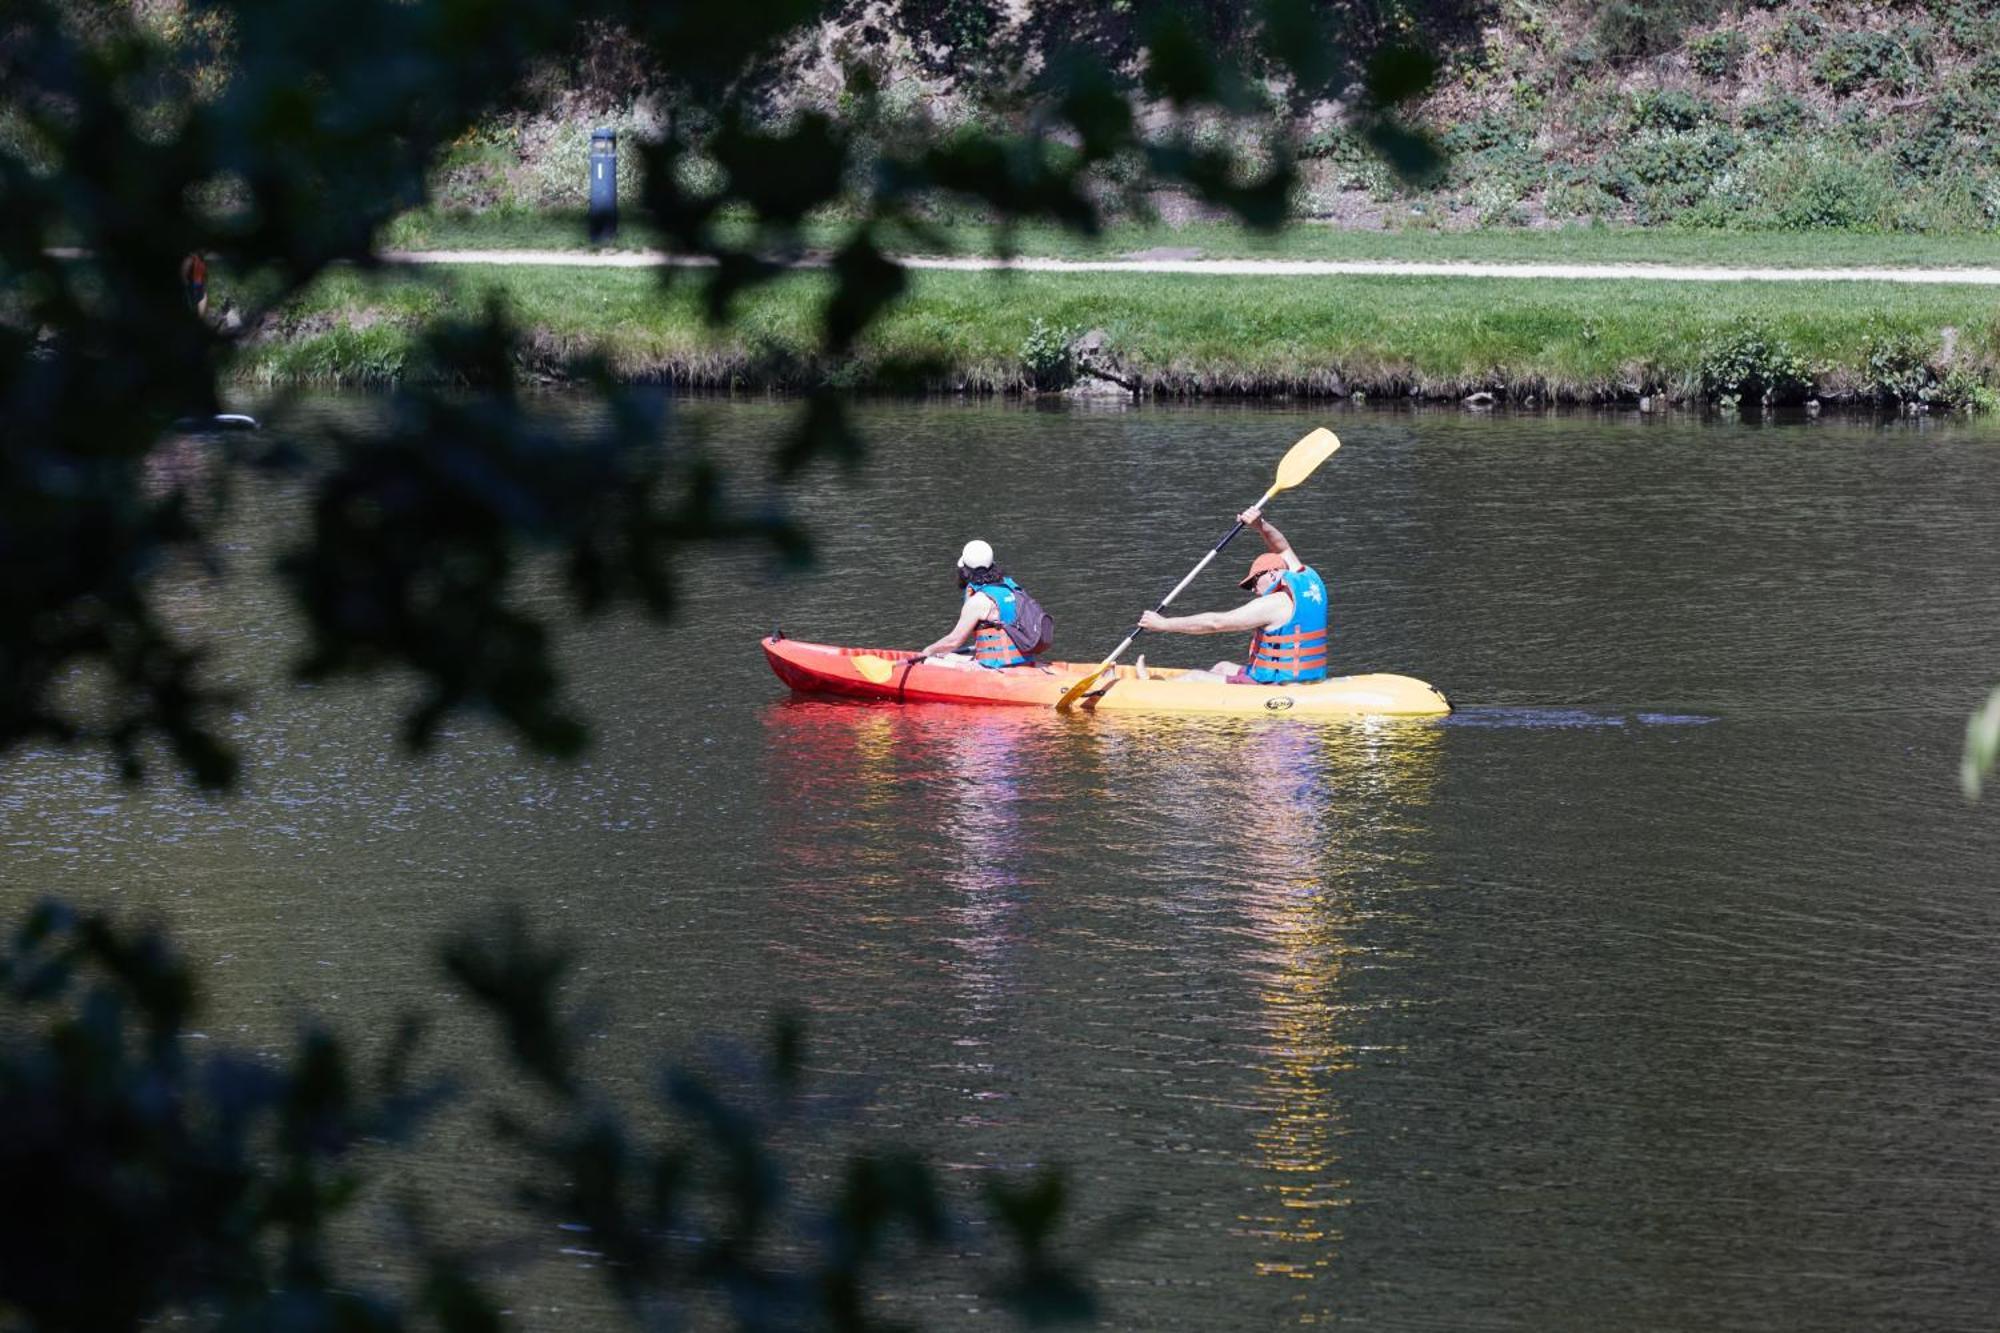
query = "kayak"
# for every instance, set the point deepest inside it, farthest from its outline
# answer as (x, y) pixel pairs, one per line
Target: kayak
(214, 424)
(900, 677)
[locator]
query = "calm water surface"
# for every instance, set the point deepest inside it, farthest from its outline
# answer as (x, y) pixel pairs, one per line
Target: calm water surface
(1655, 988)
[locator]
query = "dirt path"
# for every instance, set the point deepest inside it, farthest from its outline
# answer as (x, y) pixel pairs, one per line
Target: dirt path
(1261, 268)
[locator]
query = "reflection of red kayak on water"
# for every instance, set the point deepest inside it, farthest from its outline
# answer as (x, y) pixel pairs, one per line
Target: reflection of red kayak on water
(886, 673)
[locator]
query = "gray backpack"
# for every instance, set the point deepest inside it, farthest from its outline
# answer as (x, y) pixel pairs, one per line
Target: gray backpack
(1034, 629)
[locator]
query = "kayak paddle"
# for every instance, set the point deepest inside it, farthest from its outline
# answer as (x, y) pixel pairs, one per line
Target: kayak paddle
(1298, 464)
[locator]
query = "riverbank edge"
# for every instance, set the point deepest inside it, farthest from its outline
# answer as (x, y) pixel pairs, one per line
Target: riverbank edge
(1482, 342)
(548, 358)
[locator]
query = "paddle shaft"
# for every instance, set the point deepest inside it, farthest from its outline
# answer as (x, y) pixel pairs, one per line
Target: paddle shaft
(1193, 574)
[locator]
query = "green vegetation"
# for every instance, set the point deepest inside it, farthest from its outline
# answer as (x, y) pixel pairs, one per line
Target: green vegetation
(1846, 115)
(1774, 114)
(1596, 340)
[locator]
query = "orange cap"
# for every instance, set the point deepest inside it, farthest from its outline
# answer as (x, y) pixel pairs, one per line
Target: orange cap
(1263, 564)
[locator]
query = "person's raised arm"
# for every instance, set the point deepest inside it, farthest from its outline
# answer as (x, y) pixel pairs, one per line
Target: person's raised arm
(975, 610)
(1274, 540)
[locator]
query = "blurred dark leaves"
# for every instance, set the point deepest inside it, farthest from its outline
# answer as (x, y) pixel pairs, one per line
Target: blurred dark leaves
(156, 1175)
(278, 136)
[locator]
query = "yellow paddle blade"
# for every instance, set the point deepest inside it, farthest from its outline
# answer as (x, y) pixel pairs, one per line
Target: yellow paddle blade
(873, 668)
(1305, 456)
(1081, 688)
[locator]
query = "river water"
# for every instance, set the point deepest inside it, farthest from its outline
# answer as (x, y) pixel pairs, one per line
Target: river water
(1654, 988)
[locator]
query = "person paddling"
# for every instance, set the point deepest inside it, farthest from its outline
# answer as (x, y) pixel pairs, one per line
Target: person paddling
(997, 616)
(1287, 617)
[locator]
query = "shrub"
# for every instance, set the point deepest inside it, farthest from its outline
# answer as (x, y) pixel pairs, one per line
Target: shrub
(1730, 202)
(1579, 199)
(1934, 143)
(1901, 373)
(1046, 359)
(1818, 191)
(1481, 132)
(1964, 391)
(1982, 79)
(1679, 159)
(1801, 34)
(1857, 60)
(1496, 203)
(1670, 109)
(1630, 29)
(1779, 116)
(1584, 58)
(1969, 23)
(1858, 125)
(1718, 55)
(1751, 363)
(1952, 204)
(1513, 166)
(1899, 369)
(1331, 142)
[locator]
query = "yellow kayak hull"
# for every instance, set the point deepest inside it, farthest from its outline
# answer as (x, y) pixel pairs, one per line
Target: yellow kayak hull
(900, 677)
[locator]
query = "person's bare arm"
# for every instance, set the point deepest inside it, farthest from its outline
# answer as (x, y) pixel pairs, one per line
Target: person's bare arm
(1266, 612)
(975, 610)
(1274, 540)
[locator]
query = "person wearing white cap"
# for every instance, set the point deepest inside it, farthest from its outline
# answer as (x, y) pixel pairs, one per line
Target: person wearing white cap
(993, 602)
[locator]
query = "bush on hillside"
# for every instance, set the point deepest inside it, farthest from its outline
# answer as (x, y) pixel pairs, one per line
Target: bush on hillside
(1780, 115)
(1496, 202)
(1954, 204)
(1941, 139)
(1579, 199)
(1982, 79)
(1670, 109)
(1632, 29)
(1818, 190)
(1513, 166)
(1487, 130)
(1718, 55)
(1732, 200)
(1801, 34)
(1854, 61)
(1664, 172)
(1969, 23)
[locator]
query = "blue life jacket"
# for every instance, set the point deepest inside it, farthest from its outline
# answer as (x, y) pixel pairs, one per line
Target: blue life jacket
(1295, 650)
(993, 646)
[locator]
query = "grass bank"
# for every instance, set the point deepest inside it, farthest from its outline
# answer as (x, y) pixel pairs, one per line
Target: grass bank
(1174, 335)
(1299, 240)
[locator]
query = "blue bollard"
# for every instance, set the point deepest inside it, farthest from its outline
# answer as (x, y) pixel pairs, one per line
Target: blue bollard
(603, 185)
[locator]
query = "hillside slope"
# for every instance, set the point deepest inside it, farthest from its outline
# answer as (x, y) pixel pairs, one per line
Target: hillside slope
(1856, 115)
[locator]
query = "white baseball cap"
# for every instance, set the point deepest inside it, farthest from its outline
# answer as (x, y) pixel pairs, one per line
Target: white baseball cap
(976, 555)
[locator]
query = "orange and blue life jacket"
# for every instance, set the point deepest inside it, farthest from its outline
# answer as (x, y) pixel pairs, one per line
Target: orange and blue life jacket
(992, 646)
(1295, 650)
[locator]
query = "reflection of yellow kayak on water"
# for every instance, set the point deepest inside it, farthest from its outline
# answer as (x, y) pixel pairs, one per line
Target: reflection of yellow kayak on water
(901, 677)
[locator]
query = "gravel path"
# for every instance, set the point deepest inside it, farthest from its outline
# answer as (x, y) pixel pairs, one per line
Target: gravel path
(1259, 268)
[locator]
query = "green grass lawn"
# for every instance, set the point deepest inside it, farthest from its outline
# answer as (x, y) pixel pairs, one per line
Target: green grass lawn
(1175, 333)
(501, 231)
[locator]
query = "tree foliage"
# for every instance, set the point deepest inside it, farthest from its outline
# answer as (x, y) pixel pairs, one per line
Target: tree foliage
(155, 1177)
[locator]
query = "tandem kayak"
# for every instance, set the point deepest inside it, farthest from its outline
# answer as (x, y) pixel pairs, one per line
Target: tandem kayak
(900, 677)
